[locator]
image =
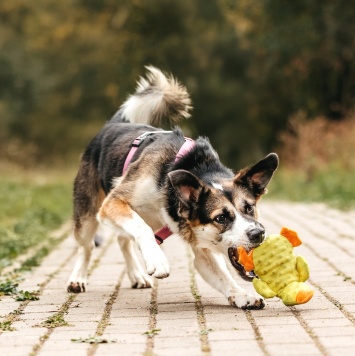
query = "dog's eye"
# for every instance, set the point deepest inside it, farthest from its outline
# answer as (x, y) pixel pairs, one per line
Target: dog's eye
(221, 219)
(249, 209)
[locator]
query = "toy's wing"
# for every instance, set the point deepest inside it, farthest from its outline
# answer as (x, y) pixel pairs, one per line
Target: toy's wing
(302, 268)
(291, 236)
(263, 288)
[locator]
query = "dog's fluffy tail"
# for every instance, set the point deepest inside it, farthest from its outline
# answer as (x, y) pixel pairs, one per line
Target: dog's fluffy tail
(158, 97)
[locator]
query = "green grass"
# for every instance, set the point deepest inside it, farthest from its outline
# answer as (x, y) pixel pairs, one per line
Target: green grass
(30, 207)
(6, 326)
(57, 319)
(94, 340)
(8, 287)
(26, 295)
(332, 186)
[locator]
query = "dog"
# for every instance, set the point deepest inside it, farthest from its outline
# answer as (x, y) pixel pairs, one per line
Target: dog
(194, 195)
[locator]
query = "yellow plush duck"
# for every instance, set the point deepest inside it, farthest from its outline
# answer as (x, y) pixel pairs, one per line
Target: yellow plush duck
(280, 273)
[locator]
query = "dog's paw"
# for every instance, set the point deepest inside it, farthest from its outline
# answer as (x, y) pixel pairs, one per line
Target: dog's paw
(246, 301)
(76, 287)
(158, 269)
(139, 285)
(139, 280)
(157, 264)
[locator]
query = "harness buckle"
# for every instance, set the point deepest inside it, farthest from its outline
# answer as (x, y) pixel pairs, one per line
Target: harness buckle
(138, 140)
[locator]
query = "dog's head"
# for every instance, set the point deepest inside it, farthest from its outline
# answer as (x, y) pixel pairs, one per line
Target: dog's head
(219, 212)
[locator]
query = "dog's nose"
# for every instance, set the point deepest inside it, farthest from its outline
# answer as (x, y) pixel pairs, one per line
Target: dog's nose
(256, 235)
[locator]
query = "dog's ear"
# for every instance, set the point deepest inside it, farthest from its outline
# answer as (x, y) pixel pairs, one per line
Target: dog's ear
(187, 186)
(257, 177)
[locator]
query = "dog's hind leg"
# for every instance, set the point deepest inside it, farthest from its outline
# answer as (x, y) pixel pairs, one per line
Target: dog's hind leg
(88, 196)
(138, 277)
(84, 235)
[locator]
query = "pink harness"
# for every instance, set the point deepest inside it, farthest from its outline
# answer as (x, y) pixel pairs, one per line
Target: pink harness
(164, 232)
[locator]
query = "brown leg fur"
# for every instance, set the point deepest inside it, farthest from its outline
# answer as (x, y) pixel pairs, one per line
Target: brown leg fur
(88, 196)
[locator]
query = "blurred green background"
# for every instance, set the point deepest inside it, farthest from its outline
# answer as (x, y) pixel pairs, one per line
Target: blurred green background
(66, 66)
(261, 75)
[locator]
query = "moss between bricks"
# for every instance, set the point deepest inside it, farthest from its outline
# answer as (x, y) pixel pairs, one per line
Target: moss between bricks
(9, 287)
(57, 319)
(205, 346)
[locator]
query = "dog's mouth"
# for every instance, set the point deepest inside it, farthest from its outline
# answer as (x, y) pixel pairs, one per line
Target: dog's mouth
(233, 257)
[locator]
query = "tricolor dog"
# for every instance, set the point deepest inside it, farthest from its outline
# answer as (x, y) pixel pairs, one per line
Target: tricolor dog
(165, 182)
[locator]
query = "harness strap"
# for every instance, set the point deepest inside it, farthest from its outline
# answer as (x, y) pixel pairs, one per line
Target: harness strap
(164, 232)
(134, 147)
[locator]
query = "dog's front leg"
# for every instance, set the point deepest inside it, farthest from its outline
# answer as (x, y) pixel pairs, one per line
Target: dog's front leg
(118, 214)
(213, 269)
(135, 271)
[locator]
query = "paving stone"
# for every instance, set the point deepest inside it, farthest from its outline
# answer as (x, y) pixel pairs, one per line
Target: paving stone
(240, 347)
(120, 349)
(180, 351)
(231, 335)
(318, 322)
(338, 341)
(348, 330)
(173, 342)
(277, 320)
(341, 350)
(296, 349)
(15, 350)
(325, 325)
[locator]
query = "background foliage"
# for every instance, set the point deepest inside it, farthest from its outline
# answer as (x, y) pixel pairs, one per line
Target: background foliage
(250, 65)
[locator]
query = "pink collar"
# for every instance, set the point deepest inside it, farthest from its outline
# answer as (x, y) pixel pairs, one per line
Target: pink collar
(187, 146)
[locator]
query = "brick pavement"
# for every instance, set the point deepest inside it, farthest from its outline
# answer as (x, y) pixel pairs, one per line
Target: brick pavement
(182, 315)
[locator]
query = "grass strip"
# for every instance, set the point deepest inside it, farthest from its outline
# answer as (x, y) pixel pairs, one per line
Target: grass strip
(308, 329)
(153, 311)
(258, 336)
(97, 338)
(201, 319)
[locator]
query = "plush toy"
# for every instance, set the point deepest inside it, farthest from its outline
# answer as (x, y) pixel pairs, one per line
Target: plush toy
(280, 273)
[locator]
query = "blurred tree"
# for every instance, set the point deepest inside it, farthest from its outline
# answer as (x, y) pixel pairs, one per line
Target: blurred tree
(78, 60)
(302, 57)
(65, 67)
(59, 74)
(195, 43)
